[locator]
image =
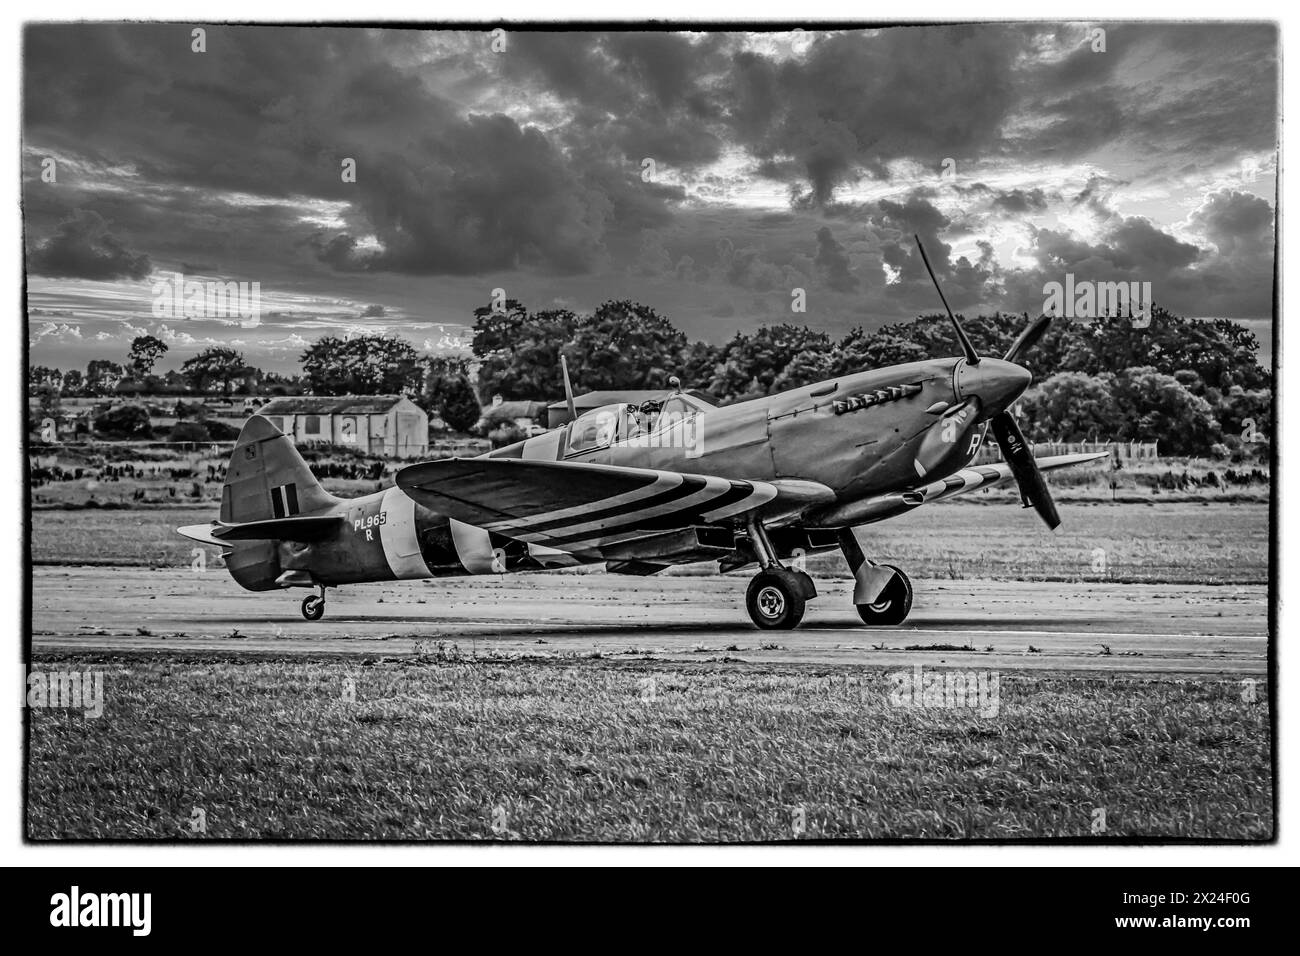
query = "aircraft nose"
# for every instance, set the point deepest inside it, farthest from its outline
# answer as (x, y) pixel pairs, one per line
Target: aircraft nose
(996, 383)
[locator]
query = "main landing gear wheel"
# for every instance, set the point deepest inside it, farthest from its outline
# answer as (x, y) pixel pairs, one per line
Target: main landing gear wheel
(313, 607)
(893, 604)
(775, 599)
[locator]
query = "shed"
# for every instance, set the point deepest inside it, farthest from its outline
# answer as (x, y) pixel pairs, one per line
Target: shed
(388, 425)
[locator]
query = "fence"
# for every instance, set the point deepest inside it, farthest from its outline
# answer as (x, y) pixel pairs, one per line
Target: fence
(1127, 450)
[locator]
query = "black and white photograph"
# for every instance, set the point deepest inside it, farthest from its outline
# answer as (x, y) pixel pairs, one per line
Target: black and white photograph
(662, 433)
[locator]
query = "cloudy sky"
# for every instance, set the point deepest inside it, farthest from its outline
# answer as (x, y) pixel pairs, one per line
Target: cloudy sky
(706, 174)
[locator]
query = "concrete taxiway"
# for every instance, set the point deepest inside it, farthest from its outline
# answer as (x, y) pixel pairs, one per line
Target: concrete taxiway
(1072, 627)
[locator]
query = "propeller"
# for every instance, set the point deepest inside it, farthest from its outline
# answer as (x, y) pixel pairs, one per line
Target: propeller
(1006, 431)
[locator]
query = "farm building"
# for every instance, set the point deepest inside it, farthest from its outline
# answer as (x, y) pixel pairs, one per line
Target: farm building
(390, 425)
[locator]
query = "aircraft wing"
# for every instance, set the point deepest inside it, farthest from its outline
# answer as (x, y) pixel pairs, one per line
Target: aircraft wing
(573, 506)
(970, 478)
(974, 477)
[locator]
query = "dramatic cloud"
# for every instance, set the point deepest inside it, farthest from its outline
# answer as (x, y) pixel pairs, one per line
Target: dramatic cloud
(83, 248)
(374, 178)
(833, 262)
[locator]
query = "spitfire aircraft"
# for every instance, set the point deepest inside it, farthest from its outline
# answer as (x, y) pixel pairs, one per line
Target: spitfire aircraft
(645, 487)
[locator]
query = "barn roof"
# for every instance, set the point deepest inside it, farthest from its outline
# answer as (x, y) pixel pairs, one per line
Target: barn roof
(330, 405)
(514, 409)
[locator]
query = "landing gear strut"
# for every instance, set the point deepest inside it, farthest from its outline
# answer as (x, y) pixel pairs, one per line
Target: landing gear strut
(313, 607)
(777, 596)
(882, 593)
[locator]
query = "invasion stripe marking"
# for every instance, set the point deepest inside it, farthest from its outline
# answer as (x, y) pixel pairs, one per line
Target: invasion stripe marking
(738, 492)
(736, 498)
(645, 524)
(473, 547)
(675, 501)
(666, 480)
(755, 496)
(621, 534)
(685, 485)
(397, 534)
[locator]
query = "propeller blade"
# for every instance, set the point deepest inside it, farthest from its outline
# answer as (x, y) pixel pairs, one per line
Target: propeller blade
(1016, 451)
(972, 356)
(1027, 339)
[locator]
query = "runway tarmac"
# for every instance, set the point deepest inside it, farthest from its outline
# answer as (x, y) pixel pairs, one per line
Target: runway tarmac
(1070, 627)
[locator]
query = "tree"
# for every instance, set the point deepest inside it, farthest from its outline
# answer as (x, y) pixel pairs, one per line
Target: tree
(273, 383)
(39, 376)
(73, 383)
(1220, 352)
(519, 352)
(447, 391)
(1071, 406)
(362, 365)
(458, 405)
(1156, 407)
(145, 352)
(215, 365)
(623, 345)
(751, 366)
(1238, 406)
(49, 405)
(495, 330)
(809, 366)
(102, 376)
(698, 363)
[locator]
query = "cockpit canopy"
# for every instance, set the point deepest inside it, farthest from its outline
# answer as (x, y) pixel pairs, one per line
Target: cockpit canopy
(620, 422)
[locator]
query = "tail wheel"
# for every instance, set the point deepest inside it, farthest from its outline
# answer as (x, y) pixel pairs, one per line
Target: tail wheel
(313, 607)
(775, 600)
(894, 603)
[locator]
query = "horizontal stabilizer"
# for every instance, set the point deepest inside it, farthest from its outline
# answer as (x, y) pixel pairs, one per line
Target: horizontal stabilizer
(298, 528)
(202, 533)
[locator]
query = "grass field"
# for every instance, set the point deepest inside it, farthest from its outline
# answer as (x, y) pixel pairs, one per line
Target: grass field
(590, 750)
(1194, 543)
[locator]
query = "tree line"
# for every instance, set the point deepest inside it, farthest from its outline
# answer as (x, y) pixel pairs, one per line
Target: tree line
(1193, 385)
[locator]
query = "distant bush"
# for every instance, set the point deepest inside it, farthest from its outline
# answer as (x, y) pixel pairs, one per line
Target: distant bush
(504, 435)
(220, 431)
(195, 410)
(125, 421)
(188, 431)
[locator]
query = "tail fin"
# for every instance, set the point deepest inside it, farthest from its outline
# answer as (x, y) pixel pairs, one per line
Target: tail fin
(267, 478)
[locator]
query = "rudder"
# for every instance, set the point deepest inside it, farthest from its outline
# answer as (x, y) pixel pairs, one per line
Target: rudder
(267, 478)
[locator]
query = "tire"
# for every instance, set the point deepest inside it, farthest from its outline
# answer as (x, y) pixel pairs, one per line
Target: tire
(313, 607)
(894, 603)
(775, 600)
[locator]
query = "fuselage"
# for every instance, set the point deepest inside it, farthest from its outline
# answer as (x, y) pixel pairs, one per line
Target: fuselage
(865, 437)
